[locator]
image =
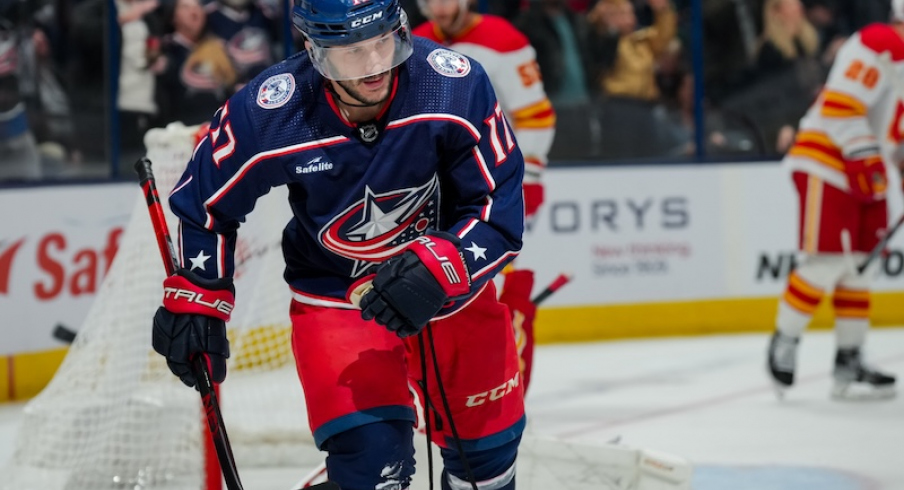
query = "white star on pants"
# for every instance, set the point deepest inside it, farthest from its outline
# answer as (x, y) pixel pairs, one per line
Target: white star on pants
(198, 262)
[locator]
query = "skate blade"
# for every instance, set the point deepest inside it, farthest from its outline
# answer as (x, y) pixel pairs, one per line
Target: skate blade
(780, 390)
(861, 392)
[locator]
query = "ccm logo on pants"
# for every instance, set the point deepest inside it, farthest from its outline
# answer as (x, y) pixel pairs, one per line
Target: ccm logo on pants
(494, 394)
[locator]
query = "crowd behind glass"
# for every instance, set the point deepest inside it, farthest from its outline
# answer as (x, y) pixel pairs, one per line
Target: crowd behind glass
(82, 80)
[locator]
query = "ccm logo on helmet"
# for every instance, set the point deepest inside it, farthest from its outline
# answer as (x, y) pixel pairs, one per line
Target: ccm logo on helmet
(220, 305)
(494, 394)
(367, 19)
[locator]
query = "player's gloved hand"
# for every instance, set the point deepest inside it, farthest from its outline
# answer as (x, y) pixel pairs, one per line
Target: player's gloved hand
(866, 173)
(409, 289)
(192, 321)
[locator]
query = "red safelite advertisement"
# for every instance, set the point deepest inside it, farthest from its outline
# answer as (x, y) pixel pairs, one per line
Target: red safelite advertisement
(56, 245)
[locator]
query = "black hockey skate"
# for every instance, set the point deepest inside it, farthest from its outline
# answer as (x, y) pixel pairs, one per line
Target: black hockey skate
(782, 361)
(855, 380)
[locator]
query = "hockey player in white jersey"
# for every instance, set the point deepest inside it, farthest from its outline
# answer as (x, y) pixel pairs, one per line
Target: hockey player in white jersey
(846, 149)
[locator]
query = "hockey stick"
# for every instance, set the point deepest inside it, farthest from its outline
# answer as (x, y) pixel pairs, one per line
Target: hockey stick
(557, 283)
(554, 286)
(877, 250)
(198, 363)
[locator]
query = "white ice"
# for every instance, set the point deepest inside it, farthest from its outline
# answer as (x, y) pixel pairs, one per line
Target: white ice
(707, 399)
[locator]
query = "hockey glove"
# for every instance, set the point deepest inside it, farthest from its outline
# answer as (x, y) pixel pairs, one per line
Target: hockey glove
(867, 178)
(865, 170)
(192, 321)
(410, 289)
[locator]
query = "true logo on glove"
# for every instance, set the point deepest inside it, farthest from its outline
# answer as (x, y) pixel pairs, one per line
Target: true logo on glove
(176, 294)
(448, 267)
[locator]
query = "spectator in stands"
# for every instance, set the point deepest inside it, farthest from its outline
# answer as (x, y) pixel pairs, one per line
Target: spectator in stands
(787, 63)
(567, 51)
(570, 57)
(723, 135)
(140, 47)
(195, 73)
(633, 71)
(787, 36)
(821, 14)
(18, 153)
(47, 103)
(85, 72)
(731, 39)
(250, 31)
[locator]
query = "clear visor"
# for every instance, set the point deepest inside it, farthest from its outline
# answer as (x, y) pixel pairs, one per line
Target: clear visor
(367, 58)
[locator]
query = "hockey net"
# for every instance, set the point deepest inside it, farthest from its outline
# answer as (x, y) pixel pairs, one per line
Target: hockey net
(114, 417)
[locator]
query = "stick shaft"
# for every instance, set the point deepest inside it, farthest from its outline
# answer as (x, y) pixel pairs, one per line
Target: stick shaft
(554, 286)
(198, 363)
(877, 250)
(158, 219)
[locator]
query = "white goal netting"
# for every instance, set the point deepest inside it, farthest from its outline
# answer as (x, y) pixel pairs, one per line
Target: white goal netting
(114, 417)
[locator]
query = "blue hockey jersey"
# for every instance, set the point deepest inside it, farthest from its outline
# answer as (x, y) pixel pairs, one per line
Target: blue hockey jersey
(440, 156)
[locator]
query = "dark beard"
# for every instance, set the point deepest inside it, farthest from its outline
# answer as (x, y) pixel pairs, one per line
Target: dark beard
(355, 94)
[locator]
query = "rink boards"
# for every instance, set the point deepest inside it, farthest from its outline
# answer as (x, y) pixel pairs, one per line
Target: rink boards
(654, 250)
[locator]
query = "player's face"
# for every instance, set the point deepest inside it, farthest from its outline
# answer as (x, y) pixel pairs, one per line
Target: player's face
(445, 13)
(369, 90)
(371, 56)
(189, 19)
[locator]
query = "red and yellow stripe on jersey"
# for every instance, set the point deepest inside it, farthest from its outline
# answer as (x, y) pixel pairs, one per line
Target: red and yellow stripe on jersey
(818, 147)
(859, 111)
(837, 104)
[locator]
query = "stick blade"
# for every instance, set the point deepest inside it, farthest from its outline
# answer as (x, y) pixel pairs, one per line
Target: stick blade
(63, 333)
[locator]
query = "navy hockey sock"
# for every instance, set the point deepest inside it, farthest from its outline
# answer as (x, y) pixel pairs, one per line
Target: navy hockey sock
(493, 469)
(372, 456)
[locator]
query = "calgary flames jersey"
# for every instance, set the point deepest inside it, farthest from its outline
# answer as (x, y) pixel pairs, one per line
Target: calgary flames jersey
(510, 61)
(859, 113)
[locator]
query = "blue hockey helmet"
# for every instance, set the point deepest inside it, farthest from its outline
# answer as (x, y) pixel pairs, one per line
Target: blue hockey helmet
(351, 39)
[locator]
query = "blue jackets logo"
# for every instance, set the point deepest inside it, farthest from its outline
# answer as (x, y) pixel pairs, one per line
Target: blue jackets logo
(380, 224)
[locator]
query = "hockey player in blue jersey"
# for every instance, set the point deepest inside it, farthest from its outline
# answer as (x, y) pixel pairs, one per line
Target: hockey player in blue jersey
(403, 174)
